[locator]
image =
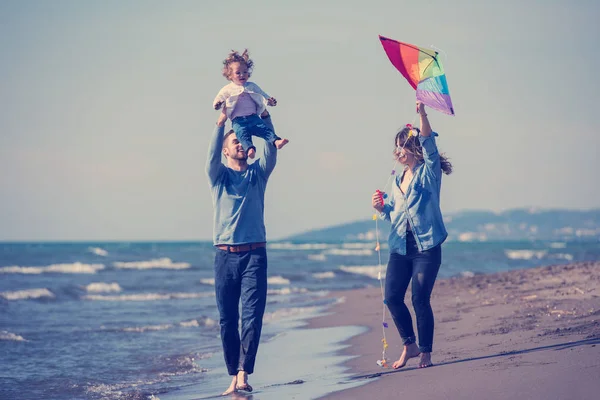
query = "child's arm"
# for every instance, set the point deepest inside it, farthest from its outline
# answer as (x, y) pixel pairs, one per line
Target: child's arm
(270, 100)
(221, 97)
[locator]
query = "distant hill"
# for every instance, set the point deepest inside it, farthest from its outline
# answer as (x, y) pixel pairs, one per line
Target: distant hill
(516, 224)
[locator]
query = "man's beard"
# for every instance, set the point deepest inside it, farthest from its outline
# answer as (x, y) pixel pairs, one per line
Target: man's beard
(240, 156)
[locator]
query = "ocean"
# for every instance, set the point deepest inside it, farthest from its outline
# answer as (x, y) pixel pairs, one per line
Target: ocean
(138, 320)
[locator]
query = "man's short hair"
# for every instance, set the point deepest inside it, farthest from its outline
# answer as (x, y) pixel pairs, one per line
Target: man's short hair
(226, 137)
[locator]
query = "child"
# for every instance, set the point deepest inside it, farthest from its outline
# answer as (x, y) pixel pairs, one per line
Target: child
(244, 103)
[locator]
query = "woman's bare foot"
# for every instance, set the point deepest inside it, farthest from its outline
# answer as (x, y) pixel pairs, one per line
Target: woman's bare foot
(425, 360)
(242, 382)
(232, 387)
(251, 153)
(410, 351)
(279, 143)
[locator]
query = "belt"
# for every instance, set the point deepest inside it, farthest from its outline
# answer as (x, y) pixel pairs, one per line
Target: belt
(244, 117)
(241, 247)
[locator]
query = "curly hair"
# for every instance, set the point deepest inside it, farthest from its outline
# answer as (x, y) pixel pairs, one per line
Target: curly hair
(413, 145)
(233, 57)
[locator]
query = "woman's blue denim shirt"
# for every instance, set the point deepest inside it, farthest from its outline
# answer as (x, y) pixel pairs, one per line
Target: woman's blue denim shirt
(420, 206)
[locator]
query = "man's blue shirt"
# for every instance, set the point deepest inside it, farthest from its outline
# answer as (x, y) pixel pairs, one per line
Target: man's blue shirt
(238, 196)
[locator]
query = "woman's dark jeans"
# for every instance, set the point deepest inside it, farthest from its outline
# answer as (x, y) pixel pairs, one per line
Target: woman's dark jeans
(422, 268)
(241, 276)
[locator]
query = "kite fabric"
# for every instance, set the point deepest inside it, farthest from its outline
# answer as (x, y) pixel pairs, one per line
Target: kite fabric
(423, 69)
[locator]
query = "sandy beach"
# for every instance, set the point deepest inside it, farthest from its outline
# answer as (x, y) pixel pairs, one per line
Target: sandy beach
(527, 334)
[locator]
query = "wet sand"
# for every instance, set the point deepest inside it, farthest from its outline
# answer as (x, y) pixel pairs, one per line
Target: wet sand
(528, 334)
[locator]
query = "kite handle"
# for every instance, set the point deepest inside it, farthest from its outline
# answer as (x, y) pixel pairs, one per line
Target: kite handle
(381, 196)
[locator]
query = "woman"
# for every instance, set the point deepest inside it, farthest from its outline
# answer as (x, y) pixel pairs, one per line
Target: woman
(416, 236)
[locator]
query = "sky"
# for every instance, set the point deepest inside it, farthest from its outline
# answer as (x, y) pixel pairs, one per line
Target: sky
(106, 109)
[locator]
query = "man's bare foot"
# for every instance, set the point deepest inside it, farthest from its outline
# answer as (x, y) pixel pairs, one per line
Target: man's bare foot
(232, 387)
(410, 351)
(251, 153)
(279, 143)
(242, 382)
(425, 360)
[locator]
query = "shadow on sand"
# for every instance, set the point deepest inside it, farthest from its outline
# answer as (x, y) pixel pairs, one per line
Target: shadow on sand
(559, 346)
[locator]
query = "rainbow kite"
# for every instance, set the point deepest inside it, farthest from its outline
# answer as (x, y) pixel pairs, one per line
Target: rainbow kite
(423, 70)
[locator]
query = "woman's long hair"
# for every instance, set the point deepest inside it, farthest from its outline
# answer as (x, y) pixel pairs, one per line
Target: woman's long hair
(414, 146)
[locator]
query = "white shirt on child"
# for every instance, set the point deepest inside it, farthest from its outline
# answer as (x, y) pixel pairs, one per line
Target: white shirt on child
(244, 106)
(230, 94)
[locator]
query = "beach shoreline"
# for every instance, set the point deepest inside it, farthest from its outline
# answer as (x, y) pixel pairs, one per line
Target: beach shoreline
(531, 333)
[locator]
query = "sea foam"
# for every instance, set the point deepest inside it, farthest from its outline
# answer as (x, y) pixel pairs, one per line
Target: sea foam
(102, 287)
(278, 280)
(324, 275)
(525, 254)
(372, 271)
(98, 251)
(27, 294)
(6, 335)
(147, 296)
(73, 268)
(160, 263)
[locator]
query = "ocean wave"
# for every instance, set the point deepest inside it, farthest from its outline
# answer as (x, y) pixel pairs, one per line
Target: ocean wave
(101, 287)
(286, 291)
(204, 321)
(6, 335)
(159, 263)
(317, 257)
(27, 294)
(278, 280)
(147, 296)
(372, 271)
(324, 275)
(349, 252)
(122, 391)
(290, 313)
(190, 324)
(273, 280)
(98, 251)
(73, 268)
(558, 245)
(183, 364)
(562, 256)
(298, 246)
(193, 323)
(141, 329)
(525, 254)
(359, 245)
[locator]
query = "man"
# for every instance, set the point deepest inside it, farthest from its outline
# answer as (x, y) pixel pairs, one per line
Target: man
(238, 192)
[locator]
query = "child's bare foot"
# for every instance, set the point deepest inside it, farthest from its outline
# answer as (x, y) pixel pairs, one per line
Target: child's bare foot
(232, 387)
(279, 143)
(425, 360)
(410, 351)
(242, 382)
(251, 153)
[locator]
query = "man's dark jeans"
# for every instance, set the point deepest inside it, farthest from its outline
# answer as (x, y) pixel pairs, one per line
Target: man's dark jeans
(422, 268)
(241, 275)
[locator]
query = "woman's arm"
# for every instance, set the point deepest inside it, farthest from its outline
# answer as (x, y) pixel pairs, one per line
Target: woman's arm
(427, 140)
(425, 125)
